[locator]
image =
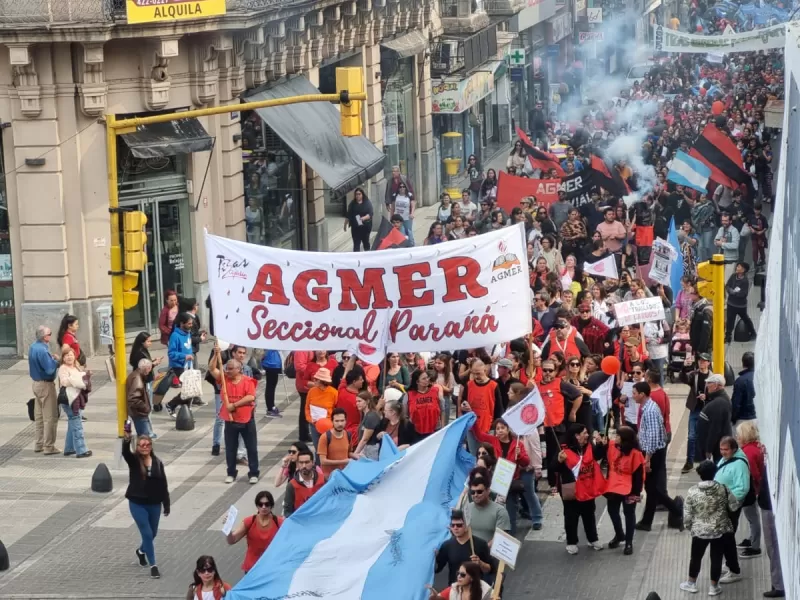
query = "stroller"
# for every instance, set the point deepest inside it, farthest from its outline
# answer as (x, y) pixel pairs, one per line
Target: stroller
(679, 361)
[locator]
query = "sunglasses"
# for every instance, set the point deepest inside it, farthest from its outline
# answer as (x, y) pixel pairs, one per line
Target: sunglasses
(575, 364)
(483, 454)
(477, 492)
(145, 445)
(456, 525)
(637, 372)
(548, 370)
(206, 570)
(264, 505)
(461, 574)
(292, 451)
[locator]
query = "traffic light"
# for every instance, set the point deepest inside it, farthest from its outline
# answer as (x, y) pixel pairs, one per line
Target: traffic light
(349, 80)
(130, 295)
(711, 277)
(135, 240)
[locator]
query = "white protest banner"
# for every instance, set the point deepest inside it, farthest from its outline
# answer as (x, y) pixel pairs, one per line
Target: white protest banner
(603, 395)
(502, 477)
(505, 547)
(525, 417)
(661, 268)
(462, 294)
(668, 40)
(639, 311)
(602, 268)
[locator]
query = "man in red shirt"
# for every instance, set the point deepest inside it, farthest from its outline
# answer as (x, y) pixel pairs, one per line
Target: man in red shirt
(238, 403)
(659, 396)
(349, 388)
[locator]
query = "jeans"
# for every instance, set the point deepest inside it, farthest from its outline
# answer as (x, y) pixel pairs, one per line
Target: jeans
(575, 510)
(408, 225)
(694, 415)
(142, 426)
(247, 431)
(513, 501)
(660, 364)
(219, 424)
(705, 248)
(699, 546)
(146, 517)
(615, 501)
(74, 441)
(754, 521)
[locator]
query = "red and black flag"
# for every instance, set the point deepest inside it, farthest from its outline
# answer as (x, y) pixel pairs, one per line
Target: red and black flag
(538, 158)
(719, 153)
(389, 237)
(608, 179)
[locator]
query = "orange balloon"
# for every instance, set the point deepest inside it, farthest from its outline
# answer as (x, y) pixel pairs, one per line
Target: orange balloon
(717, 108)
(610, 365)
(323, 426)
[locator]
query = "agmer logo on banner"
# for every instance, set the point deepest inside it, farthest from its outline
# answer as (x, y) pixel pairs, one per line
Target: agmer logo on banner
(455, 295)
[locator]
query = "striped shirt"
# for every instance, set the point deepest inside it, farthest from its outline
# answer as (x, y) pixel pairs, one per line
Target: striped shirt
(652, 434)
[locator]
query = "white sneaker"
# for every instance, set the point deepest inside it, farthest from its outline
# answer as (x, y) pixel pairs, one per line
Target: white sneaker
(689, 586)
(572, 549)
(596, 545)
(714, 590)
(730, 577)
(253, 480)
(229, 479)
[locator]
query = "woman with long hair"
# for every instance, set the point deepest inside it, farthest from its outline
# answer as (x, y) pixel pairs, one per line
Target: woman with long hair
(626, 473)
(517, 157)
(166, 318)
(66, 335)
(581, 409)
(74, 383)
(424, 404)
(489, 186)
(445, 208)
(259, 530)
(468, 585)
(367, 431)
(208, 584)
(442, 367)
(551, 254)
(435, 234)
(359, 219)
(147, 492)
(578, 493)
(393, 373)
(547, 226)
(538, 274)
(573, 234)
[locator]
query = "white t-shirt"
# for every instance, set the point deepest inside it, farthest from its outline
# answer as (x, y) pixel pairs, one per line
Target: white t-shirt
(208, 595)
(402, 206)
(468, 210)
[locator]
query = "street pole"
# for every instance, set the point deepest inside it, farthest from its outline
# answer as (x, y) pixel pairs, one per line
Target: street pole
(718, 263)
(115, 127)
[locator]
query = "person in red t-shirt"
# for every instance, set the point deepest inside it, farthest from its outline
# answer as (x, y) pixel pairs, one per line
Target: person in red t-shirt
(238, 403)
(259, 530)
(424, 408)
(659, 396)
(351, 385)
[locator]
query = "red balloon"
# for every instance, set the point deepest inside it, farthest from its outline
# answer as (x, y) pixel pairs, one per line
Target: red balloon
(610, 365)
(703, 91)
(323, 426)
(717, 108)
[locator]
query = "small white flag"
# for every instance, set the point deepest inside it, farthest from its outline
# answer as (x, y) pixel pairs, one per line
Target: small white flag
(525, 416)
(602, 268)
(603, 395)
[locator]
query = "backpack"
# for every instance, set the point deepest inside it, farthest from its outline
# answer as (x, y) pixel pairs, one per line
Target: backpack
(750, 498)
(288, 366)
(329, 437)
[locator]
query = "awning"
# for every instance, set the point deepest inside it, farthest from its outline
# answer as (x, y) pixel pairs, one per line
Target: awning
(183, 136)
(313, 131)
(407, 44)
(652, 6)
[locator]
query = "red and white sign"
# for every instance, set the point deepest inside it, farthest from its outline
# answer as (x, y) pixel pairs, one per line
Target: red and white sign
(525, 416)
(590, 36)
(602, 268)
(642, 310)
(511, 189)
(464, 294)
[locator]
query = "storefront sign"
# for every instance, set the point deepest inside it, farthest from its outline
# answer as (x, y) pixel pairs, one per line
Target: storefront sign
(537, 11)
(553, 50)
(517, 74)
(157, 11)
(642, 310)
(594, 15)
(580, 6)
(516, 57)
(590, 36)
(458, 96)
(667, 40)
(461, 294)
(560, 27)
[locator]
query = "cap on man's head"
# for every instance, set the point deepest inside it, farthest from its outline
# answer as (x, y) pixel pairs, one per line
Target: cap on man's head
(704, 356)
(505, 362)
(716, 378)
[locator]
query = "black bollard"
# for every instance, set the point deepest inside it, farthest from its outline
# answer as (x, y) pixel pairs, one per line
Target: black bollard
(101, 479)
(184, 420)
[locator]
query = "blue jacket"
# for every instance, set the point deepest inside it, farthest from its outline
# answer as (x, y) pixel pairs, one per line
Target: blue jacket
(735, 474)
(41, 365)
(272, 360)
(179, 347)
(743, 404)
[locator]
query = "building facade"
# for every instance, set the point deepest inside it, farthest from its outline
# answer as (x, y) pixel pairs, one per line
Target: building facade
(280, 179)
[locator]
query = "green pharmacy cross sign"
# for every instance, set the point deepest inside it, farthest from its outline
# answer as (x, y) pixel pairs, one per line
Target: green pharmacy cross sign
(517, 57)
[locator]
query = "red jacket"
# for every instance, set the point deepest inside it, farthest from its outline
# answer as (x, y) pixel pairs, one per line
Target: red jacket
(755, 456)
(593, 333)
(590, 482)
(522, 460)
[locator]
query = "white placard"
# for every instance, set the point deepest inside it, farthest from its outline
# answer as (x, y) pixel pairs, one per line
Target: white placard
(505, 547)
(317, 413)
(463, 294)
(503, 476)
(525, 416)
(230, 520)
(594, 15)
(642, 310)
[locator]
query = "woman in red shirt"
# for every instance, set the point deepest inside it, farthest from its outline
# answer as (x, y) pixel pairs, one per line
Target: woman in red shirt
(424, 404)
(626, 475)
(66, 337)
(259, 529)
(321, 361)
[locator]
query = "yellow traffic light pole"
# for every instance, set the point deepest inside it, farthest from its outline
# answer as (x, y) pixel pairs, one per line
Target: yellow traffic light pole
(713, 288)
(350, 84)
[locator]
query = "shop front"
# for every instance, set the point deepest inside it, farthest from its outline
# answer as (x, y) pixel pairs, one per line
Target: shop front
(463, 122)
(8, 314)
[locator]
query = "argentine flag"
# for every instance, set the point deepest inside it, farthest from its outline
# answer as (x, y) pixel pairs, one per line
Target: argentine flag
(689, 172)
(372, 530)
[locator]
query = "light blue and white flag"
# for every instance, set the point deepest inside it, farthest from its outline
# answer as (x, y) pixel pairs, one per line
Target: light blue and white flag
(372, 530)
(689, 172)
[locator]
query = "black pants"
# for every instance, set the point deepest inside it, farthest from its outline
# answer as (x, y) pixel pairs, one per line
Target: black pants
(360, 236)
(615, 501)
(585, 417)
(699, 546)
(729, 543)
(574, 510)
(731, 312)
(655, 484)
(248, 432)
(271, 378)
(302, 424)
(553, 447)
